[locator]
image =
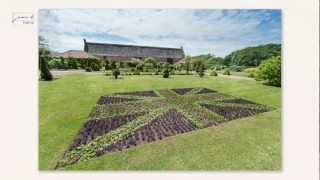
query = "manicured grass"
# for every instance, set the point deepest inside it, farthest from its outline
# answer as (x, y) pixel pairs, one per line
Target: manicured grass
(246, 144)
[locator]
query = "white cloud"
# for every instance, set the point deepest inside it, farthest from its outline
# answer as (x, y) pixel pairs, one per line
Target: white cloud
(198, 31)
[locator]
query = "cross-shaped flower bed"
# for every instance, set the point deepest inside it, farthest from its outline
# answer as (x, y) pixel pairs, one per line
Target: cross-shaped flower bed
(124, 120)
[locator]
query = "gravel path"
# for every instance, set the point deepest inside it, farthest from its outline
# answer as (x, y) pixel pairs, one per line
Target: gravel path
(75, 71)
(235, 77)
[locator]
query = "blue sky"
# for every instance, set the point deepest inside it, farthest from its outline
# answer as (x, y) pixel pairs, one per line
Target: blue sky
(217, 32)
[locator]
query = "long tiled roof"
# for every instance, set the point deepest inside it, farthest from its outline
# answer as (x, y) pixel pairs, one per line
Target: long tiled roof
(106, 49)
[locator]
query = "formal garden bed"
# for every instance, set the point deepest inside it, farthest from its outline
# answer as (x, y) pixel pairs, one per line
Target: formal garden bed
(140, 93)
(124, 120)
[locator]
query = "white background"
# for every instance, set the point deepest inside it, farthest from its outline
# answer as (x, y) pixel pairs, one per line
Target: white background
(19, 90)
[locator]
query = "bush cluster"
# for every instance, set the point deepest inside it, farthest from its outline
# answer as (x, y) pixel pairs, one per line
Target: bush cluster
(213, 73)
(76, 63)
(226, 72)
(269, 71)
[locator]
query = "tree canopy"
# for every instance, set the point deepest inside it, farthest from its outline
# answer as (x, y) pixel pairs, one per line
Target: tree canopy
(252, 56)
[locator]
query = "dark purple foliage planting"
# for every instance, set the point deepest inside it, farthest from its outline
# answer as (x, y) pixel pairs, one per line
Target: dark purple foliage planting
(97, 127)
(232, 112)
(140, 93)
(205, 90)
(113, 100)
(182, 91)
(168, 124)
(238, 101)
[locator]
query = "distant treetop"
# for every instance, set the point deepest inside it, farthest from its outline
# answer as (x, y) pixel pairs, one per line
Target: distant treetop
(252, 56)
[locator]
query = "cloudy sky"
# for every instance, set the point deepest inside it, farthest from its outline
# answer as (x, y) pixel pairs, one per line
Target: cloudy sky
(217, 32)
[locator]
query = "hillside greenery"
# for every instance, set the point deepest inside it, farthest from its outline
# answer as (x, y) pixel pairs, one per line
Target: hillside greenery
(246, 57)
(252, 56)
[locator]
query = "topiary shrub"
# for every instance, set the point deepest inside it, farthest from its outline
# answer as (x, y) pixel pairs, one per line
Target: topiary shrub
(116, 73)
(136, 72)
(88, 69)
(226, 72)
(252, 71)
(106, 65)
(201, 70)
(166, 71)
(213, 73)
(43, 65)
(252, 75)
(139, 67)
(269, 71)
(45, 73)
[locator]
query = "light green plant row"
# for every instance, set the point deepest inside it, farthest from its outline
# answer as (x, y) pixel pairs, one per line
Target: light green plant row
(199, 116)
(168, 94)
(88, 151)
(104, 111)
(194, 91)
(110, 110)
(154, 104)
(207, 97)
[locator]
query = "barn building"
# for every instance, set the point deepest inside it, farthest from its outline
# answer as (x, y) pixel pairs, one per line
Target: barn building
(121, 52)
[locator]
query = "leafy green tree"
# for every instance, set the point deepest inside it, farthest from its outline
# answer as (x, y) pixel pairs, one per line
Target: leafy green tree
(187, 65)
(133, 63)
(95, 64)
(113, 65)
(148, 67)
(209, 60)
(63, 64)
(149, 60)
(270, 71)
(196, 64)
(72, 63)
(106, 65)
(121, 64)
(252, 56)
(139, 67)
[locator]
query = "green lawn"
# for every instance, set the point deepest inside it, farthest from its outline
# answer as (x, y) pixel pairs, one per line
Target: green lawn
(252, 143)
